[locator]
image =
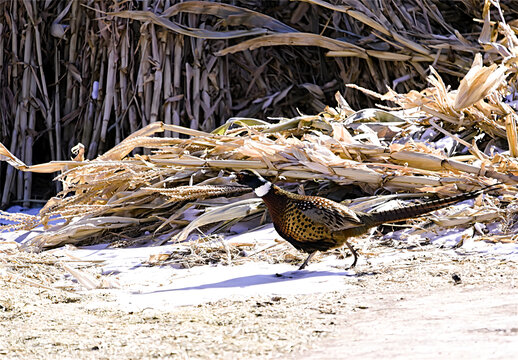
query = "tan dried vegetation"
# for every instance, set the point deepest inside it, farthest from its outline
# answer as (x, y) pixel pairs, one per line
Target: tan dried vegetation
(181, 184)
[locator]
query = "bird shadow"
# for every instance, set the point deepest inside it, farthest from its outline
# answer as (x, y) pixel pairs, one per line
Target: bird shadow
(253, 280)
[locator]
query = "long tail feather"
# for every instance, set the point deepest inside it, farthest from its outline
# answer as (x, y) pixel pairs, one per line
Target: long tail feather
(413, 211)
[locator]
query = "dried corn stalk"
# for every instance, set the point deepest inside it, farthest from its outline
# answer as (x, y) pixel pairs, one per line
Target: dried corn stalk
(95, 72)
(182, 178)
(157, 195)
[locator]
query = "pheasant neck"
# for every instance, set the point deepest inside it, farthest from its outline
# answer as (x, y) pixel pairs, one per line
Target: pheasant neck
(276, 202)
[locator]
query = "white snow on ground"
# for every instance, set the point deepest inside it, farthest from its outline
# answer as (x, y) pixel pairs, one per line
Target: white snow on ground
(20, 209)
(165, 286)
(143, 286)
(139, 285)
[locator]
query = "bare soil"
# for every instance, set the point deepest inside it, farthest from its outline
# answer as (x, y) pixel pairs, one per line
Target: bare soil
(432, 306)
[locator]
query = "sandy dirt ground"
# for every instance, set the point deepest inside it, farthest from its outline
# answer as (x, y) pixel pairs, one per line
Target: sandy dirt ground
(428, 307)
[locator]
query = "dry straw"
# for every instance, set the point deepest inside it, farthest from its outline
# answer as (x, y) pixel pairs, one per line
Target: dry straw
(181, 184)
(119, 68)
(94, 72)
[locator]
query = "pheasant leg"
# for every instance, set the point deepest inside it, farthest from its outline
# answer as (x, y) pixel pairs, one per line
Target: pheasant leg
(355, 254)
(307, 260)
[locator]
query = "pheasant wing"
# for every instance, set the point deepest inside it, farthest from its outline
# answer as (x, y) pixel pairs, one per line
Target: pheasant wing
(334, 216)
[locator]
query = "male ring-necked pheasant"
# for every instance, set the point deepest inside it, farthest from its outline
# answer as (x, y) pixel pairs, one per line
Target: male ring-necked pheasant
(313, 223)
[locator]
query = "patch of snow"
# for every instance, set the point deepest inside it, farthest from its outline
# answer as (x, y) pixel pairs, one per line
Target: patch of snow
(23, 210)
(446, 143)
(161, 286)
(19, 209)
(21, 237)
(429, 134)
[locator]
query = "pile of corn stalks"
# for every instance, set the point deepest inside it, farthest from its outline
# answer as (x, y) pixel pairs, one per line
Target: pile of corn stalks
(438, 140)
(184, 184)
(96, 71)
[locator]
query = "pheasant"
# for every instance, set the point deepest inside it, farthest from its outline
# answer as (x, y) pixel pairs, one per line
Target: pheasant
(313, 223)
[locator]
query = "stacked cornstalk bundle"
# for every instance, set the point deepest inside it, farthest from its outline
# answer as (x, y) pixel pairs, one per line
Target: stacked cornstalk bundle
(184, 184)
(95, 71)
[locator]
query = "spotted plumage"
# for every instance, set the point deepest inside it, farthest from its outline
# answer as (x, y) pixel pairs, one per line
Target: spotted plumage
(312, 223)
